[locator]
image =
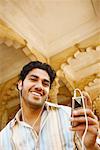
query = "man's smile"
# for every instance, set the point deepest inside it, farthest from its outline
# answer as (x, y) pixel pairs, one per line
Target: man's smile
(36, 94)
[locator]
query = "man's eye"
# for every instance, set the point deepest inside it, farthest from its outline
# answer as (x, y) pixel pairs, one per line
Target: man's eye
(46, 84)
(33, 79)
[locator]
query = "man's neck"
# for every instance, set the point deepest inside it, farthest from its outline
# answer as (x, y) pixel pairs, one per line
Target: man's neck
(31, 116)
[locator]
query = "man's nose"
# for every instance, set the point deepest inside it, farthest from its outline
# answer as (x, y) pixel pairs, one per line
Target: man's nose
(39, 86)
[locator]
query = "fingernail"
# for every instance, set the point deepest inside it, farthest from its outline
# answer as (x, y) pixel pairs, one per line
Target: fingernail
(74, 112)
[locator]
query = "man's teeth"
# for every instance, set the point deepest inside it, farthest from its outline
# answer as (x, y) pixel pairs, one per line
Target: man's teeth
(37, 94)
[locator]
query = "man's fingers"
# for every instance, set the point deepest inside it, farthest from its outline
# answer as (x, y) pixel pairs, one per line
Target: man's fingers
(87, 100)
(92, 128)
(82, 119)
(80, 112)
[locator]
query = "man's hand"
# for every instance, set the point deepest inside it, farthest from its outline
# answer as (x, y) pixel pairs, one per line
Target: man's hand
(93, 124)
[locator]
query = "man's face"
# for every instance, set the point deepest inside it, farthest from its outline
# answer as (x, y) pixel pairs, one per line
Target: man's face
(35, 88)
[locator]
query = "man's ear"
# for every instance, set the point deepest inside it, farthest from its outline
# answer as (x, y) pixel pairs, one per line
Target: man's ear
(20, 85)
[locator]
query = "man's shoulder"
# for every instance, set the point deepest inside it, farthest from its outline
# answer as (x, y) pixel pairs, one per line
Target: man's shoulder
(10, 124)
(61, 108)
(57, 105)
(5, 137)
(7, 128)
(4, 130)
(65, 109)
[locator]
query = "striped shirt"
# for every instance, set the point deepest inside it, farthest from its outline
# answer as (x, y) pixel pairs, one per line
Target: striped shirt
(54, 131)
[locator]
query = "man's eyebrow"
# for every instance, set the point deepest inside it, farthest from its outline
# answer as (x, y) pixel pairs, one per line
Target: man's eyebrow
(32, 75)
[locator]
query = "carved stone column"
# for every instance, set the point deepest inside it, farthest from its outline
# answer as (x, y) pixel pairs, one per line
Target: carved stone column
(54, 91)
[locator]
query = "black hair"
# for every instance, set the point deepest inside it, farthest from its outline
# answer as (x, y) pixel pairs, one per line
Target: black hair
(37, 64)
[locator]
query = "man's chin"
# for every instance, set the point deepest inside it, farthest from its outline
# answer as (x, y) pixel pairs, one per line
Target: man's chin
(37, 104)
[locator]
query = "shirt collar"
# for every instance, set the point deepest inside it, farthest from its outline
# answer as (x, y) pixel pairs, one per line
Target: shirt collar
(17, 118)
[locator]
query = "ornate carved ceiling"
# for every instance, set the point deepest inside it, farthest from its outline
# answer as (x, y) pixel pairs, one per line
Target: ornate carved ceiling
(83, 71)
(50, 26)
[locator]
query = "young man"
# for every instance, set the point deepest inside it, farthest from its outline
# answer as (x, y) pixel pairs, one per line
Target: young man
(41, 125)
